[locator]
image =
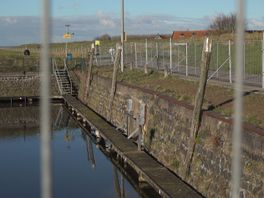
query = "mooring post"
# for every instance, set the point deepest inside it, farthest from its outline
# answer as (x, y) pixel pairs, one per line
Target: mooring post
(197, 112)
(89, 75)
(113, 86)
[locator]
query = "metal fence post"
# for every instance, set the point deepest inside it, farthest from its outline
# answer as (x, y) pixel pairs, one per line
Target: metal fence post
(238, 105)
(195, 65)
(170, 56)
(230, 61)
(157, 54)
(45, 129)
(263, 61)
(186, 61)
(146, 46)
(136, 63)
(146, 62)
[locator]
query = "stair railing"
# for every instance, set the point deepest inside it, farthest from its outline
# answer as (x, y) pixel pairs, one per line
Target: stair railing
(68, 74)
(55, 68)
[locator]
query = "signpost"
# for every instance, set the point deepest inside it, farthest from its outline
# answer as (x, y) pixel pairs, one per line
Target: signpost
(67, 36)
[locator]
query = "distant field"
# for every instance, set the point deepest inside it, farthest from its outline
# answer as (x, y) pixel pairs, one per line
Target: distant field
(13, 59)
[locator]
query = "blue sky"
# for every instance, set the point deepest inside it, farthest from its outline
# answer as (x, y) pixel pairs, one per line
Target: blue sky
(90, 18)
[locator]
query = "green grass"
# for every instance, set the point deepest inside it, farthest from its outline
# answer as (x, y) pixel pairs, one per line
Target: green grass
(253, 58)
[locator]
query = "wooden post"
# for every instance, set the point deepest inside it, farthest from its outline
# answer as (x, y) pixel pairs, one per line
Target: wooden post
(197, 112)
(84, 87)
(88, 82)
(113, 87)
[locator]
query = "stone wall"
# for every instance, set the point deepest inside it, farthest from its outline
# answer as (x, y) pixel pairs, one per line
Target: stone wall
(166, 133)
(26, 86)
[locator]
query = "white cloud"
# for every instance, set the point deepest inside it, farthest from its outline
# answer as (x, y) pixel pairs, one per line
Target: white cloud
(17, 30)
(106, 19)
(256, 24)
(9, 20)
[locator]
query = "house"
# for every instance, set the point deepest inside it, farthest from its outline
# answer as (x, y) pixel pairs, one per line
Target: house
(161, 36)
(189, 34)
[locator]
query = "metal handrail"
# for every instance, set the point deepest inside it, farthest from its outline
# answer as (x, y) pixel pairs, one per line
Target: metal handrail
(55, 68)
(66, 69)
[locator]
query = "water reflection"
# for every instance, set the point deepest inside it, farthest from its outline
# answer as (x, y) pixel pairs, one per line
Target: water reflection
(89, 149)
(72, 148)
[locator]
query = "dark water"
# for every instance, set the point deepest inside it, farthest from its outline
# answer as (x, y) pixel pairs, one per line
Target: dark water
(80, 169)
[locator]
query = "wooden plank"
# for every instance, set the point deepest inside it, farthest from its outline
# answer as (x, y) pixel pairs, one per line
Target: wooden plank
(159, 177)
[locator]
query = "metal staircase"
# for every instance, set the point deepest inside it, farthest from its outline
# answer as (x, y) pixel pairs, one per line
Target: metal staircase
(63, 79)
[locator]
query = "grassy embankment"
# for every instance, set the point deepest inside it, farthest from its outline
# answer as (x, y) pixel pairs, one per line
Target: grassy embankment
(218, 99)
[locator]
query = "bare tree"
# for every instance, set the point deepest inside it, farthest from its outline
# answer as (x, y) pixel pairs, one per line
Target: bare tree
(224, 23)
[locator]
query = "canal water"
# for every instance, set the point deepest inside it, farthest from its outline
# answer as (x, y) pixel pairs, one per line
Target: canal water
(80, 168)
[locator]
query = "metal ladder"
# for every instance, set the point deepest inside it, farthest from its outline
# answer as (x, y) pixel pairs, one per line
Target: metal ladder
(63, 79)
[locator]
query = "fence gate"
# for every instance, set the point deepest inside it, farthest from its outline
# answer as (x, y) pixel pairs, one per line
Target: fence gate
(180, 58)
(221, 62)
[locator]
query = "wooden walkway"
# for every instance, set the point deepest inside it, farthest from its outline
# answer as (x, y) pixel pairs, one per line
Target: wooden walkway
(159, 177)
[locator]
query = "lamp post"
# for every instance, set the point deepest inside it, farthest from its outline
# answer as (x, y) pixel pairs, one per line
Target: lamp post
(122, 35)
(67, 32)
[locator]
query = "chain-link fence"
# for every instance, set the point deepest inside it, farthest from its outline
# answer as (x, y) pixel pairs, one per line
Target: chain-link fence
(185, 58)
(179, 57)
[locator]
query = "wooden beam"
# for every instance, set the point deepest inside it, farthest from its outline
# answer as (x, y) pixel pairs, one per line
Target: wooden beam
(113, 86)
(197, 112)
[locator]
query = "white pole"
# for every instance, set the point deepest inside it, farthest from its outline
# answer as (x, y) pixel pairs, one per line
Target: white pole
(45, 134)
(186, 61)
(157, 54)
(170, 55)
(263, 61)
(230, 61)
(146, 46)
(238, 107)
(195, 65)
(122, 34)
(136, 59)
(178, 53)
